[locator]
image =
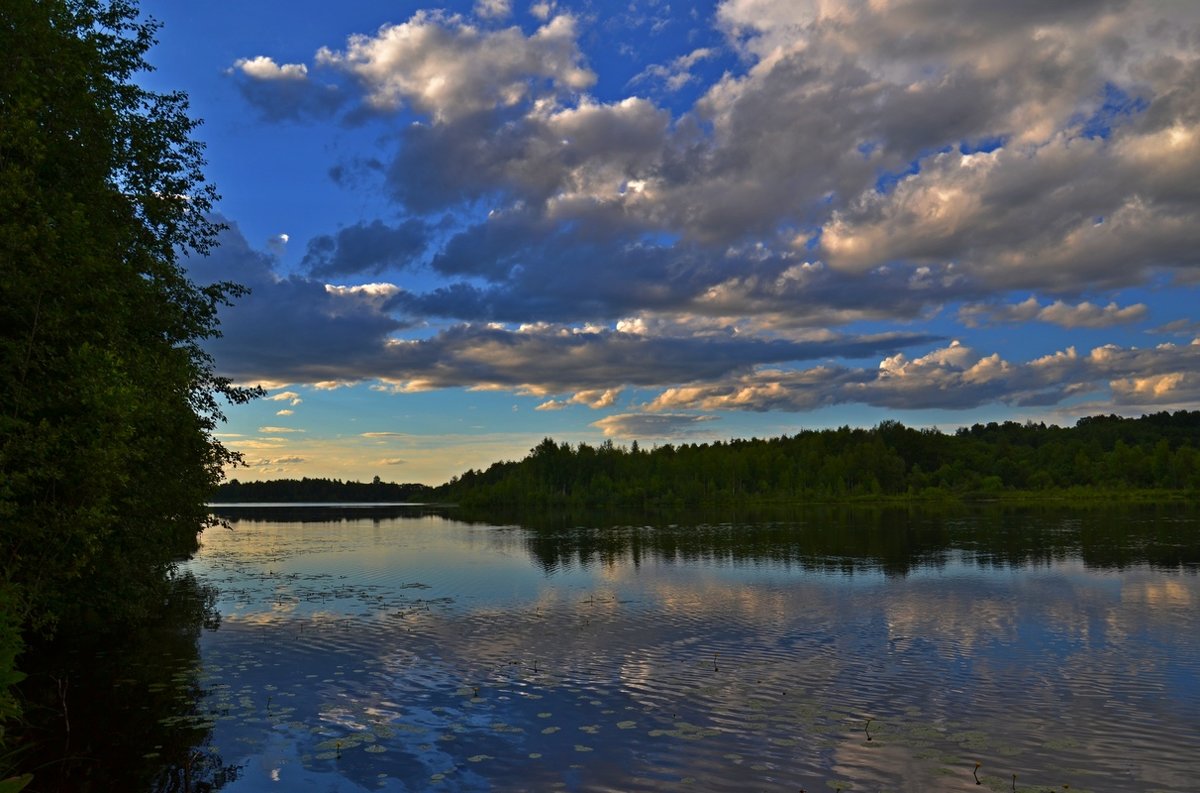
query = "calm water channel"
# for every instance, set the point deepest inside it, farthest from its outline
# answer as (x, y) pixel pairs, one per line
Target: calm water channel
(403, 650)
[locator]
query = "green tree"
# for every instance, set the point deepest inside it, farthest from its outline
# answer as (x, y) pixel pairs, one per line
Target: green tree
(109, 402)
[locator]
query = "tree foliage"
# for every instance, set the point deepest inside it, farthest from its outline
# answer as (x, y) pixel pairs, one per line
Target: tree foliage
(1160, 451)
(108, 403)
(318, 490)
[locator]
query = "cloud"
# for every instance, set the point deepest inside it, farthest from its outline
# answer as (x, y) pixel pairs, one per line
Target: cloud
(372, 293)
(1082, 315)
(1178, 327)
(284, 92)
(264, 68)
(521, 259)
(271, 461)
(545, 360)
(543, 9)
(634, 426)
(493, 9)
(1055, 216)
(955, 377)
(677, 73)
(277, 244)
(892, 215)
(291, 397)
(911, 153)
(279, 429)
(1173, 389)
(447, 68)
(393, 461)
(289, 326)
(555, 161)
(594, 398)
(284, 412)
(695, 364)
(262, 444)
(765, 389)
(295, 330)
(863, 162)
(366, 248)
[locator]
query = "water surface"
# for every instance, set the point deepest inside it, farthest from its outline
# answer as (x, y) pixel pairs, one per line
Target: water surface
(406, 649)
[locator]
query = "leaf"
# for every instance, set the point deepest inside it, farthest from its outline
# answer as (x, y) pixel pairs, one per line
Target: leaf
(15, 783)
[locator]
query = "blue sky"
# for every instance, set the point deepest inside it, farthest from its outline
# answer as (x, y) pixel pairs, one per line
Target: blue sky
(472, 225)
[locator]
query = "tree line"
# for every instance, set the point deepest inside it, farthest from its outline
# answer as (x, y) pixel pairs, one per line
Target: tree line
(1099, 453)
(319, 490)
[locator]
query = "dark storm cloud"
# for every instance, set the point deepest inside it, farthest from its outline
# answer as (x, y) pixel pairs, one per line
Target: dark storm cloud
(536, 271)
(288, 329)
(366, 248)
(556, 360)
(300, 330)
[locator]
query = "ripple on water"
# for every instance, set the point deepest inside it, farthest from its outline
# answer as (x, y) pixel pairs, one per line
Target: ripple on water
(685, 678)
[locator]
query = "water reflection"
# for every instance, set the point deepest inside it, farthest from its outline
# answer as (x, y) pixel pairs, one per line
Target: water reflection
(323, 513)
(895, 540)
(126, 714)
(411, 650)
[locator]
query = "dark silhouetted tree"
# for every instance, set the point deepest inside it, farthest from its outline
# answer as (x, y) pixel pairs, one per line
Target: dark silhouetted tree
(108, 402)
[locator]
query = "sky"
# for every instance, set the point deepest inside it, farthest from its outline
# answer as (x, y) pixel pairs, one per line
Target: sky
(470, 226)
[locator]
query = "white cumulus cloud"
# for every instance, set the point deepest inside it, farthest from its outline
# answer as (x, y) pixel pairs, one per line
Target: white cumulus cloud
(265, 68)
(444, 66)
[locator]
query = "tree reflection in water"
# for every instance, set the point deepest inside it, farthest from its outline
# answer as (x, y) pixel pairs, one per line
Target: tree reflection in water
(893, 540)
(123, 713)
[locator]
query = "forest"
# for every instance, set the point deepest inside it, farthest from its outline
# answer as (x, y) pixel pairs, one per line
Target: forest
(320, 491)
(1099, 456)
